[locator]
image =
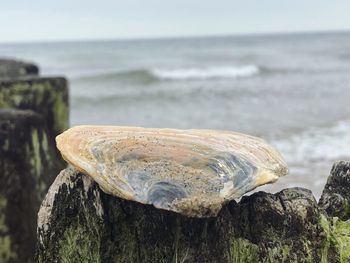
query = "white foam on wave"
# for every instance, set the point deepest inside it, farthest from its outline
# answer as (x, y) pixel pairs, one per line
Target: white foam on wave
(317, 144)
(206, 73)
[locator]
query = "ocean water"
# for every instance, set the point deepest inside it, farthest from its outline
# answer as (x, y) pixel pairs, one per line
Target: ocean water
(292, 90)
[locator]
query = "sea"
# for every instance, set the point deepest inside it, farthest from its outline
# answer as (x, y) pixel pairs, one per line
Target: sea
(293, 90)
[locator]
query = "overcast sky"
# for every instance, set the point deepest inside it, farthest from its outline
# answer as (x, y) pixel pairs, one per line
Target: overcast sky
(38, 20)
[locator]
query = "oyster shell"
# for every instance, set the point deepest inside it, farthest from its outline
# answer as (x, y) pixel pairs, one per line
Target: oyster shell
(192, 172)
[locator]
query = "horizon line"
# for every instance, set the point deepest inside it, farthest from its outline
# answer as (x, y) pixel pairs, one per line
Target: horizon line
(179, 37)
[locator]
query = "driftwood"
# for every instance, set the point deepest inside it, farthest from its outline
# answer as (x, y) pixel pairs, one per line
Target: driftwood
(33, 111)
(77, 222)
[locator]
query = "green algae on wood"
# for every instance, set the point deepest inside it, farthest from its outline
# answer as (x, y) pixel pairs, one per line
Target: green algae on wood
(242, 250)
(6, 253)
(78, 244)
(341, 239)
(47, 96)
(324, 251)
(28, 165)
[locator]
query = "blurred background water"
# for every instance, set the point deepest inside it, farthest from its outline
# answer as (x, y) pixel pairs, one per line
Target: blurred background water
(291, 89)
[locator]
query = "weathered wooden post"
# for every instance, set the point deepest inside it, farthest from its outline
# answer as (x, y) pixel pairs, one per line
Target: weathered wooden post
(33, 111)
(78, 222)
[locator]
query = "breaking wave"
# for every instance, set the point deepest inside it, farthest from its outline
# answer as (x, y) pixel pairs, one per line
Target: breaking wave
(206, 73)
(180, 74)
(316, 144)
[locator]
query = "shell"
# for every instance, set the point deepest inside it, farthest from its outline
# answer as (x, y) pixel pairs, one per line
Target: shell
(192, 172)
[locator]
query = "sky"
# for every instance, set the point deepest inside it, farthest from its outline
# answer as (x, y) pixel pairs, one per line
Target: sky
(49, 20)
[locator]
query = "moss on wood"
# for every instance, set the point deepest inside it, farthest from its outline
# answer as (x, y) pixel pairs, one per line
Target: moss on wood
(47, 96)
(28, 166)
(340, 238)
(6, 253)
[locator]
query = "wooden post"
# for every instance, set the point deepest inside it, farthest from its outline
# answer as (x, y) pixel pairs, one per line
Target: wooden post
(78, 222)
(33, 111)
